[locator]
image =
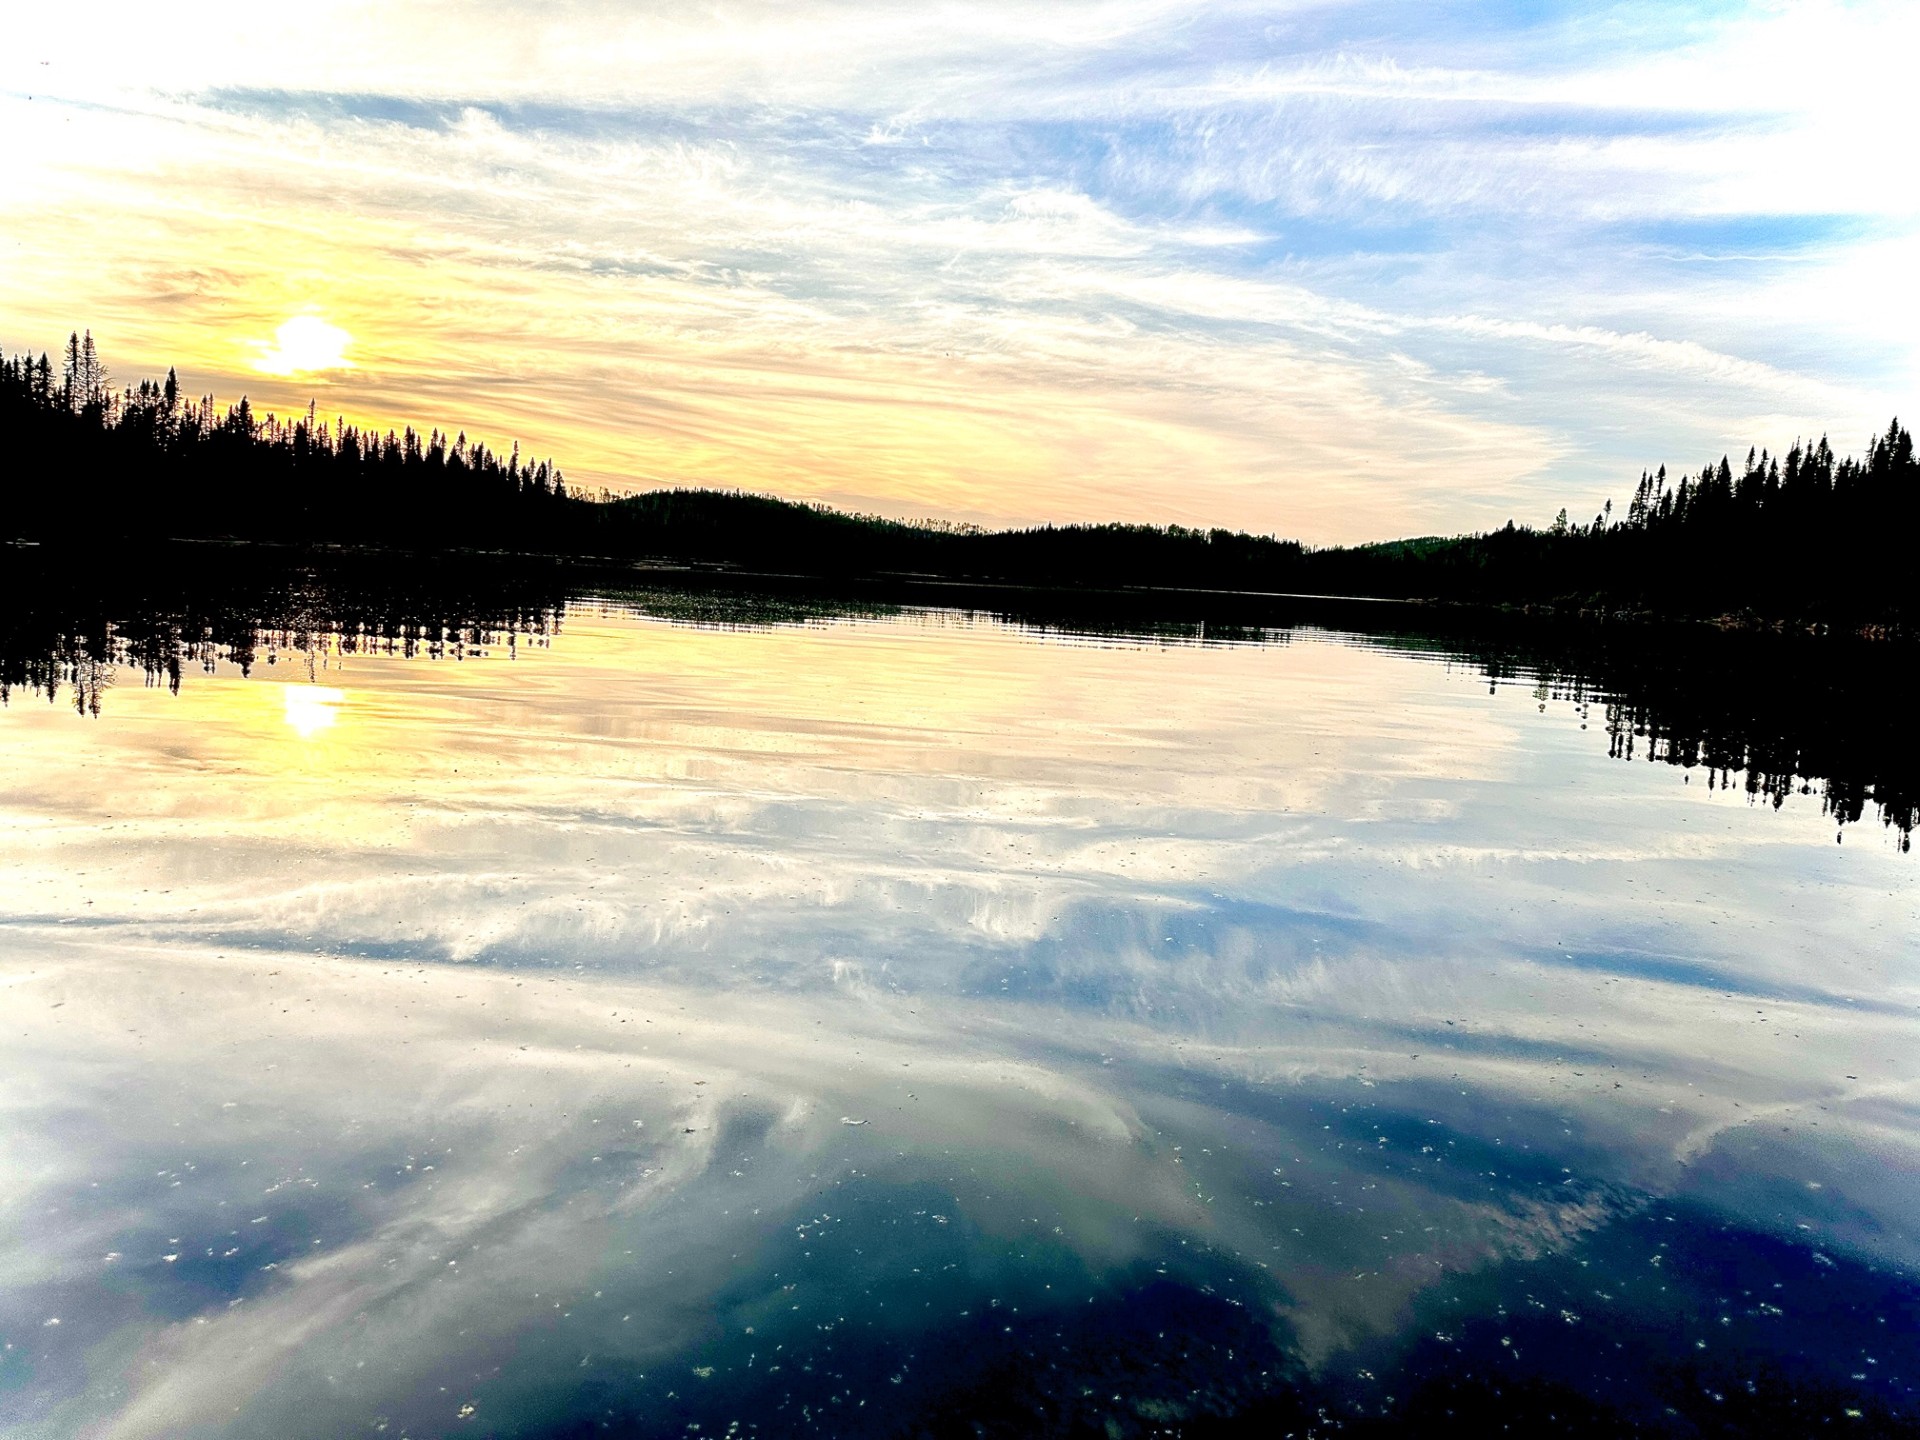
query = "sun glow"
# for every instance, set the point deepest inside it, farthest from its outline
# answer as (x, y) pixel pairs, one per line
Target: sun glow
(313, 708)
(303, 345)
(528, 239)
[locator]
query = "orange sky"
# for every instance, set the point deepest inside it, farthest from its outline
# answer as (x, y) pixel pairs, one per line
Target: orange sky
(1100, 261)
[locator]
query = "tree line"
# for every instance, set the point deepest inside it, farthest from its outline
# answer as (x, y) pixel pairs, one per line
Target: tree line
(1804, 536)
(81, 459)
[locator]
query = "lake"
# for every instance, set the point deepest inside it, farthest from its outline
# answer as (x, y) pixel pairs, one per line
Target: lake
(557, 1009)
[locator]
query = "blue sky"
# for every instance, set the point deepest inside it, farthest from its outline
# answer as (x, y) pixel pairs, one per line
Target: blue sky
(1336, 271)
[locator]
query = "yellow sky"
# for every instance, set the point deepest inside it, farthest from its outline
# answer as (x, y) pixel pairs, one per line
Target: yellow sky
(998, 265)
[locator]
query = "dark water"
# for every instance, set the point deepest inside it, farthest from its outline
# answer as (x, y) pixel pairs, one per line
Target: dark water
(468, 1005)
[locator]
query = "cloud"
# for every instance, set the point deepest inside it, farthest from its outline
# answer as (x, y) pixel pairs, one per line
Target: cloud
(552, 1062)
(1263, 265)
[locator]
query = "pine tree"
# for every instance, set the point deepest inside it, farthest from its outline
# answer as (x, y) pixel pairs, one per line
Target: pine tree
(70, 393)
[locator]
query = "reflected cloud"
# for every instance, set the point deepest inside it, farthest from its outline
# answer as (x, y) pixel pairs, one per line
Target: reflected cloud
(661, 989)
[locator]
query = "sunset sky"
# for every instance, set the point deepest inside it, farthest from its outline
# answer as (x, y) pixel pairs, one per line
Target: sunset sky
(1338, 271)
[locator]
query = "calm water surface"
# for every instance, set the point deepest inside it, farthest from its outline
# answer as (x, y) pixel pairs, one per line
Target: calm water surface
(919, 1024)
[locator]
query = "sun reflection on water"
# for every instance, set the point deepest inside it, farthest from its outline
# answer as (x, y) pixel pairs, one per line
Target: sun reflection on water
(313, 708)
(1364, 999)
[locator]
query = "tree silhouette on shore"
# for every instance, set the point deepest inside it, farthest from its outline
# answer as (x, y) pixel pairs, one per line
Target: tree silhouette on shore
(1806, 536)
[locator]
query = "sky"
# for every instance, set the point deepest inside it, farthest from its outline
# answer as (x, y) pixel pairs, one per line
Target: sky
(1332, 271)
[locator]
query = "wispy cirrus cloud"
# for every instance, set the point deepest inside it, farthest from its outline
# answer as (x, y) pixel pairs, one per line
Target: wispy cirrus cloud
(1332, 270)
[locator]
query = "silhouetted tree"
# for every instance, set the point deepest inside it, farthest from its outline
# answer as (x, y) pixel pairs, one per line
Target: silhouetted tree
(1807, 536)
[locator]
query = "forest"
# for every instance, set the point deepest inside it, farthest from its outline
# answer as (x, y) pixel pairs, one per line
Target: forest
(1806, 537)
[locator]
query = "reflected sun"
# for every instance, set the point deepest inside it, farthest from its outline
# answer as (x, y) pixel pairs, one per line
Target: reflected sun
(313, 708)
(303, 345)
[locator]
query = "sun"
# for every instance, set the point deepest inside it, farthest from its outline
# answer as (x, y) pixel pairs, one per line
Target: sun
(303, 345)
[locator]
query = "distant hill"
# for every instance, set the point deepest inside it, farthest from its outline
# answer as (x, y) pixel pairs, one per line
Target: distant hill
(1806, 537)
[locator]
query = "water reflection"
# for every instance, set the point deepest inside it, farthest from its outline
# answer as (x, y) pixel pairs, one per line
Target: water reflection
(67, 628)
(922, 1023)
(1776, 715)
